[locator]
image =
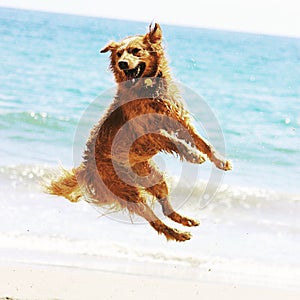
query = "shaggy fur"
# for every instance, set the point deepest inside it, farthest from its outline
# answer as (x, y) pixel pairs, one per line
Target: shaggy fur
(146, 117)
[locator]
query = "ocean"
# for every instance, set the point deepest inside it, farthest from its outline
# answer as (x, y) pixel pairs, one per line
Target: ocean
(51, 71)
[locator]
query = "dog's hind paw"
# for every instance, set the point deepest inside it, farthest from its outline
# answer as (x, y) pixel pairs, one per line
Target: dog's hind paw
(183, 220)
(189, 222)
(176, 235)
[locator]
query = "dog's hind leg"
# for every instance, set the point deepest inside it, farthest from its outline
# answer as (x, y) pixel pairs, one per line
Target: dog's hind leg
(160, 191)
(133, 200)
(173, 215)
(143, 210)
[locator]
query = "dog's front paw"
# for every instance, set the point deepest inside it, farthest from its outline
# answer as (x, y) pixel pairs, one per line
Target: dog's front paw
(195, 156)
(225, 165)
(198, 159)
(228, 165)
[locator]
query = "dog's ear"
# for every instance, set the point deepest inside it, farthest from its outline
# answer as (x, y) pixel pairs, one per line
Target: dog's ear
(155, 34)
(109, 47)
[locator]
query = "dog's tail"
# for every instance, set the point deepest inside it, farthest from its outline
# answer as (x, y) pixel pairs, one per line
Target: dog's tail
(64, 183)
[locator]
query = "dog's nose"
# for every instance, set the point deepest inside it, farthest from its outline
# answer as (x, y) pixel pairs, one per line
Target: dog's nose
(123, 65)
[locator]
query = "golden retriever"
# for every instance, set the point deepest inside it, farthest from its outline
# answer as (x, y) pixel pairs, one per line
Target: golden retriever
(146, 117)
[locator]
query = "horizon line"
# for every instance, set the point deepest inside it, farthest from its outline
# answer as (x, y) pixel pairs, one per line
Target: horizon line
(186, 25)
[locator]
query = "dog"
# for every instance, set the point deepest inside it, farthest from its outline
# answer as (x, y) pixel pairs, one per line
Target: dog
(146, 117)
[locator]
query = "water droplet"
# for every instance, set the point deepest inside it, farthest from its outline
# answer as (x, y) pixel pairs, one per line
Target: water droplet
(206, 197)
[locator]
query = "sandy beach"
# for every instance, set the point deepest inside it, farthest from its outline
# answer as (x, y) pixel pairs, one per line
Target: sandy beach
(24, 281)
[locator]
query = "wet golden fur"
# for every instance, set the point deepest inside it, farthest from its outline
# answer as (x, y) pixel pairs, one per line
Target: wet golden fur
(117, 169)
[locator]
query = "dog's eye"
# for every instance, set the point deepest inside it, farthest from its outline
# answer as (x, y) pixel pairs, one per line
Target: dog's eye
(119, 53)
(135, 51)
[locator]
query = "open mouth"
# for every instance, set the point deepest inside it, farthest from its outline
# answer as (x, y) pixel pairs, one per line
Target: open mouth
(133, 74)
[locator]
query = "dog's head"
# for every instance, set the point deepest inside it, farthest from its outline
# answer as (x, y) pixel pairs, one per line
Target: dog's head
(137, 56)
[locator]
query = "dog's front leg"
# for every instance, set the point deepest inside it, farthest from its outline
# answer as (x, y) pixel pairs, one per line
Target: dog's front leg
(167, 142)
(208, 149)
(190, 135)
(183, 129)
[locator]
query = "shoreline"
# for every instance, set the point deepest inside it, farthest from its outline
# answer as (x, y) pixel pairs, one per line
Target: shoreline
(30, 281)
(169, 262)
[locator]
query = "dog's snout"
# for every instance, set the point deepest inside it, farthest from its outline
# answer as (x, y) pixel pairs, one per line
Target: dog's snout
(123, 65)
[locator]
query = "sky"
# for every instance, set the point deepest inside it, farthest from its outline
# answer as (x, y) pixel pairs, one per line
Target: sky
(276, 17)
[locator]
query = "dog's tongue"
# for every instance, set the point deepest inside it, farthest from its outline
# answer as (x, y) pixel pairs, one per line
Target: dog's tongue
(132, 76)
(133, 73)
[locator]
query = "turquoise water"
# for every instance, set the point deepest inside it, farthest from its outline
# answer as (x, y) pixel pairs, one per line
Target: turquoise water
(51, 70)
